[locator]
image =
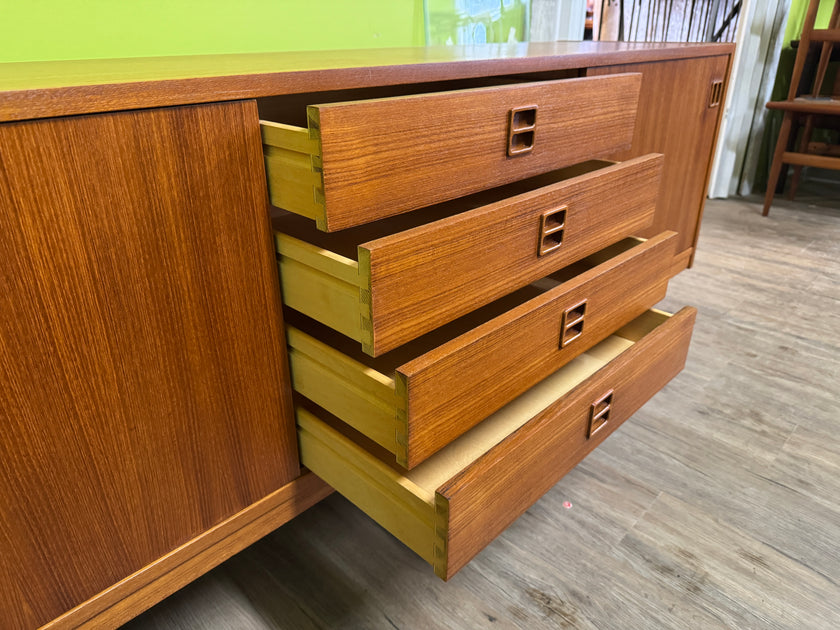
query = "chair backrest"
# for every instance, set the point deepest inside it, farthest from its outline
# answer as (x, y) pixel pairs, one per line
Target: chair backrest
(829, 37)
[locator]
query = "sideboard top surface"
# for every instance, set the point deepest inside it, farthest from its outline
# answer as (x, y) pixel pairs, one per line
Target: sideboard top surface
(59, 88)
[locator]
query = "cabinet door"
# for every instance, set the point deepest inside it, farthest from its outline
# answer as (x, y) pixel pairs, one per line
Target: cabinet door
(679, 113)
(143, 377)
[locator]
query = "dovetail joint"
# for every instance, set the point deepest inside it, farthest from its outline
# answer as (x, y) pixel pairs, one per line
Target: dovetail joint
(313, 118)
(441, 552)
(401, 419)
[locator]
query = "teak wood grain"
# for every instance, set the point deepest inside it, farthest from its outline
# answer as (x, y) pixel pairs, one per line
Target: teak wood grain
(153, 583)
(455, 386)
(675, 118)
(382, 157)
(480, 502)
(416, 400)
(446, 263)
(445, 253)
(453, 504)
(142, 359)
(59, 88)
(138, 411)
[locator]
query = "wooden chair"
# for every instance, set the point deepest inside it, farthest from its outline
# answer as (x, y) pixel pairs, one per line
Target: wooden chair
(808, 106)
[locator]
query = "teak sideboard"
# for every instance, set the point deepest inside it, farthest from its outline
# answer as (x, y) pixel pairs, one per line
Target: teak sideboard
(446, 304)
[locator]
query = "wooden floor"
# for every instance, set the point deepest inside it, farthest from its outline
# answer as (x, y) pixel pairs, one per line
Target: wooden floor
(715, 506)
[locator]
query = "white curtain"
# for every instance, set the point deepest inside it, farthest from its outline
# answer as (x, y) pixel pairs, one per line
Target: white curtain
(759, 41)
(557, 20)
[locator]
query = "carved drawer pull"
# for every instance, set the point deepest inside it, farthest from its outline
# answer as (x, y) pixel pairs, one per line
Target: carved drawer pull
(716, 93)
(599, 414)
(522, 126)
(571, 325)
(552, 227)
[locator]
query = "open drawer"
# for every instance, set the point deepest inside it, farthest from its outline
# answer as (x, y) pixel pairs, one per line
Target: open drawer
(417, 399)
(360, 161)
(452, 505)
(386, 283)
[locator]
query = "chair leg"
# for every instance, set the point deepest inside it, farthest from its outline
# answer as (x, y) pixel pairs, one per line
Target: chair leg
(776, 166)
(804, 141)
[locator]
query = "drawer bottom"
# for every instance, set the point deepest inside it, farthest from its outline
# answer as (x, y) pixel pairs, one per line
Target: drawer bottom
(452, 505)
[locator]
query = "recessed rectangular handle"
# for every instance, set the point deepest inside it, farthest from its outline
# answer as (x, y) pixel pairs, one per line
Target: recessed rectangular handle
(715, 93)
(522, 127)
(571, 325)
(552, 227)
(599, 414)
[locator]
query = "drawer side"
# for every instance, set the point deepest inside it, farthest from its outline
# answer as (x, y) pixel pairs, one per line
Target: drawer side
(476, 505)
(293, 169)
(398, 505)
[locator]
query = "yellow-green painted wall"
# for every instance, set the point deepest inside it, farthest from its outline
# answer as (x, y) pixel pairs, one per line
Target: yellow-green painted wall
(796, 18)
(42, 30)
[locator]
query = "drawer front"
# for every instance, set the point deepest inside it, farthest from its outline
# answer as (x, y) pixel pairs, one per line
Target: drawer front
(434, 390)
(382, 157)
(458, 501)
(457, 264)
(447, 391)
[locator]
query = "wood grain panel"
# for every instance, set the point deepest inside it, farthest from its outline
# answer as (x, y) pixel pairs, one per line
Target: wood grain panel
(675, 119)
(447, 263)
(682, 503)
(58, 88)
(452, 388)
(452, 505)
(387, 156)
(145, 588)
(487, 496)
(138, 411)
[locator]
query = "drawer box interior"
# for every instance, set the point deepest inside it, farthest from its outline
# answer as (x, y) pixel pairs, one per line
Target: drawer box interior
(388, 282)
(416, 399)
(360, 161)
(453, 504)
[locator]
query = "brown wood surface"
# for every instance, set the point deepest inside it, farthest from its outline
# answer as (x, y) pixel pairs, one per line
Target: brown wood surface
(481, 501)
(160, 579)
(675, 119)
(454, 387)
(346, 242)
(817, 161)
(429, 275)
(138, 411)
(804, 109)
(387, 156)
(826, 35)
(682, 503)
(829, 107)
(43, 89)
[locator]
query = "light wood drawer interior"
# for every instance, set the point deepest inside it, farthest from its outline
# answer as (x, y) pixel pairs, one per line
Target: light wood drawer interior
(453, 504)
(418, 398)
(360, 161)
(386, 283)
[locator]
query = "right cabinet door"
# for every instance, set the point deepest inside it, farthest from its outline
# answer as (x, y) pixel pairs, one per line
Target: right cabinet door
(679, 113)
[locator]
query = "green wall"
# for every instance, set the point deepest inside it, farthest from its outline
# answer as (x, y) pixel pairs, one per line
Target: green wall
(796, 18)
(41, 30)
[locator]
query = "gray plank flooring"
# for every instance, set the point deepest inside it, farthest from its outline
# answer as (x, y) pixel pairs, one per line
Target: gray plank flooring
(716, 506)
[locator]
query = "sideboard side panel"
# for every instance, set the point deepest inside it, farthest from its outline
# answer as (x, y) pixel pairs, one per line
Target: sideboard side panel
(675, 118)
(142, 357)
